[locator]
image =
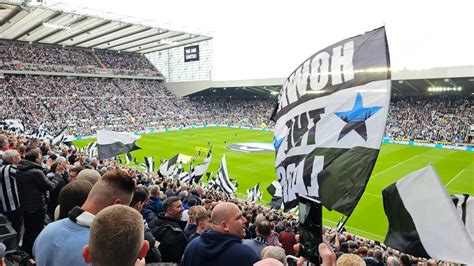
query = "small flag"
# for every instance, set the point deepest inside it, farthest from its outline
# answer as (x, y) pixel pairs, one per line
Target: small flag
(149, 165)
(223, 179)
(128, 157)
(275, 190)
(254, 193)
(59, 137)
(464, 204)
(91, 149)
(167, 166)
(201, 168)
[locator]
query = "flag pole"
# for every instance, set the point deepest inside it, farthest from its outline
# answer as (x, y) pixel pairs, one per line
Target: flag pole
(340, 226)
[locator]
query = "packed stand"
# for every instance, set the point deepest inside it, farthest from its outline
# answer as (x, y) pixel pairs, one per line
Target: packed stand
(115, 104)
(41, 57)
(125, 61)
(86, 199)
(88, 104)
(441, 118)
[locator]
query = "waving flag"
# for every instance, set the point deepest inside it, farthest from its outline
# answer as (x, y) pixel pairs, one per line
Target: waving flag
(167, 166)
(91, 149)
(254, 193)
(60, 137)
(149, 165)
(111, 143)
(275, 190)
(423, 221)
(329, 122)
(464, 204)
(223, 179)
(14, 125)
(201, 169)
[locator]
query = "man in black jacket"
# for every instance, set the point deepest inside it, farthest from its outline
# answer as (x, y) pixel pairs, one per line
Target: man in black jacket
(32, 186)
(168, 229)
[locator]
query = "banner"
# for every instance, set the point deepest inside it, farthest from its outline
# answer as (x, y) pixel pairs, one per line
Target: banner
(330, 120)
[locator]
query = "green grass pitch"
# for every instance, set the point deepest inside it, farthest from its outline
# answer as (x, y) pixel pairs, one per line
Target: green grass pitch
(456, 168)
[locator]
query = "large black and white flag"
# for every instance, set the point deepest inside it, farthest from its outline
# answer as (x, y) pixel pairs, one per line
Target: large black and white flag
(423, 220)
(111, 143)
(330, 120)
(149, 165)
(13, 125)
(464, 204)
(223, 179)
(167, 167)
(201, 168)
(254, 193)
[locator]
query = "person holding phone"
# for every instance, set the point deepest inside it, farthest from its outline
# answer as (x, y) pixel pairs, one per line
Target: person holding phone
(311, 245)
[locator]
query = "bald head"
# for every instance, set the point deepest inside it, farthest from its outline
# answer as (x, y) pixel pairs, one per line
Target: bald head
(227, 218)
(220, 213)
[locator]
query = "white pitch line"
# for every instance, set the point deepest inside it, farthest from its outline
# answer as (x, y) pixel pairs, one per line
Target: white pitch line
(402, 162)
(355, 229)
(371, 194)
(456, 176)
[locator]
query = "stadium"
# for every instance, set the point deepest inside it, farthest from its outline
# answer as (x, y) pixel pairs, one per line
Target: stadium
(65, 75)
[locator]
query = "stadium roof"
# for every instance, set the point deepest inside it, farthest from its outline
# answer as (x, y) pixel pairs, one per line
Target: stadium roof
(446, 80)
(53, 26)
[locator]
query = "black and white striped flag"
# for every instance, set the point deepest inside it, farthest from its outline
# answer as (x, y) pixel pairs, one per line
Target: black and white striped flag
(91, 149)
(464, 204)
(128, 157)
(184, 177)
(275, 190)
(423, 221)
(201, 168)
(60, 137)
(254, 193)
(149, 165)
(13, 125)
(223, 179)
(167, 167)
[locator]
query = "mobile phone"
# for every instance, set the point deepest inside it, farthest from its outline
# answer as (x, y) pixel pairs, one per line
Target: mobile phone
(310, 228)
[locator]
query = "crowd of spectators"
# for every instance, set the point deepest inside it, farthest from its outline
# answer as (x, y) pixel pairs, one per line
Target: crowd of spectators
(41, 57)
(440, 118)
(88, 104)
(116, 104)
(177, 215)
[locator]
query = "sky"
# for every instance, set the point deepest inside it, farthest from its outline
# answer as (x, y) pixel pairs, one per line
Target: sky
(268, 39)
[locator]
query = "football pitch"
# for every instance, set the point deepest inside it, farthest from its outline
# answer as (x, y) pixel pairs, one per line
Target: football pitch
(456, 168)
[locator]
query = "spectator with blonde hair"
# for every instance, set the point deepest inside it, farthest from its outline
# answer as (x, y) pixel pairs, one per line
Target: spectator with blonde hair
(116, 237)
(90, 175)
(350, 260)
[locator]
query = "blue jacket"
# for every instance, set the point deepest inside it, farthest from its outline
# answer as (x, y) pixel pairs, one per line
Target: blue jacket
(156, 204)
(148, 213)
(215, 248)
